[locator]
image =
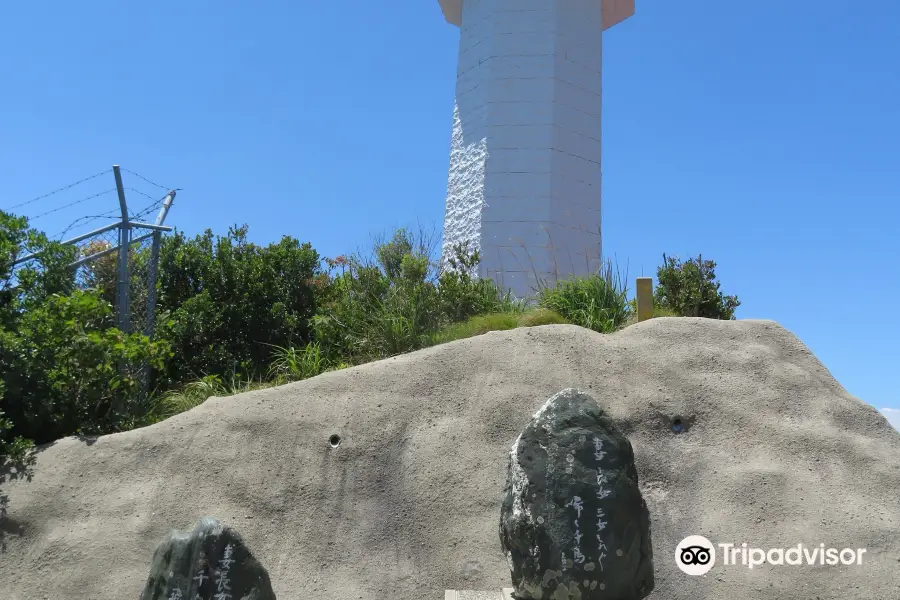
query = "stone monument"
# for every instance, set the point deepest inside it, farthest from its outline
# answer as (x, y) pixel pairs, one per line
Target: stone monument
(573, 523)
(524, 181)
(212, 562)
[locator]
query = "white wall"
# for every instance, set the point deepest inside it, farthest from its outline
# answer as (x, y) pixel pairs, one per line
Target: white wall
(524, 181)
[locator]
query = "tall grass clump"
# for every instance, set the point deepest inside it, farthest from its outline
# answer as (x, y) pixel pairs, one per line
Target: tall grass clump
(292, 364)
(195, 393)
(598, 302)
(191, 395)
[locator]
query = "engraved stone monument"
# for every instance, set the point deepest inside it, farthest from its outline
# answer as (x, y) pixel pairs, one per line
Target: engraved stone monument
(212, 562)
(573, 523)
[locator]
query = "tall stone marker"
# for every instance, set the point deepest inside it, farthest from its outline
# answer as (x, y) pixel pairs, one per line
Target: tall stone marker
(573, 523)
(524, 182)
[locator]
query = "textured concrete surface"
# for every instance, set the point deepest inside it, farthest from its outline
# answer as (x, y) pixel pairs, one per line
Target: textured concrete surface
(774, 453)
(524, 177)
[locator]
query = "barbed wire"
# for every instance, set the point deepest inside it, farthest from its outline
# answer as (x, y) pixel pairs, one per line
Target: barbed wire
(62, 189)
(144, 178)
(44, 214)
(113, 214)
(146, 211)
(144, 194)
(157, 203)
(107, 215)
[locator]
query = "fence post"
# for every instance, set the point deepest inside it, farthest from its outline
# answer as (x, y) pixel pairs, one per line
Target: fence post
(124, 242)
(151, 283)
(644, 290)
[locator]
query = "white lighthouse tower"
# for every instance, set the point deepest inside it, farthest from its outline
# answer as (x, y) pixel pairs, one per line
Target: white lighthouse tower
(524, 182)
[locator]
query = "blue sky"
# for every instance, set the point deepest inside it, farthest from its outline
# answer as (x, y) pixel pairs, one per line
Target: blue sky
(761, 135)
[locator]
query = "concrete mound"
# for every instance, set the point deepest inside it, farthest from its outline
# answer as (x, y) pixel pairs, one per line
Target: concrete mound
(385, 481)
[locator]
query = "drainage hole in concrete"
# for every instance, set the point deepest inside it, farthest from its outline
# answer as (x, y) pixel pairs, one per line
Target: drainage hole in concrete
(335, 441)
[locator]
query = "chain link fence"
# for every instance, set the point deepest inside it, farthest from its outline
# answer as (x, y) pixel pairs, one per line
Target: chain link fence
(127, 282)
(120, 260)
(99, 266)
(96, 263)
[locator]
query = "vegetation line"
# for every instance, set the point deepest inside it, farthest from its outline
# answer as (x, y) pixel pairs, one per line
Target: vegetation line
(234, 316)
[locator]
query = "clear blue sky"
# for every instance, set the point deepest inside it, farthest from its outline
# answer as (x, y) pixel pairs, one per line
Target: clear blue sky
(763, 135)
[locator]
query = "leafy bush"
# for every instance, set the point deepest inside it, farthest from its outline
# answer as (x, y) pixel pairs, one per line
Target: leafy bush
(64, 368)
(397, 300)
(597, 302)
(39, 279)
(13, 450)
(690, 289)
(463, 295)
(225, 302)
(69, 371)
(367, 315)
(16, 462)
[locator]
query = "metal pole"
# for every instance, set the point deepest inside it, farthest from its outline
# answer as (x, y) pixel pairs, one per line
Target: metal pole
(146, 371)
(124, 234)
(151, 282)
(167, 204)
(139, 225)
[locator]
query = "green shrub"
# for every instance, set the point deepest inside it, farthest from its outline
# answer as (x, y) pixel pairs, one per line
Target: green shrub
(399, 299)
(16, 461)
(13, 450)
(69, 371)
(690, 289)
(377, 306)
(225, 303)
(21, 290)
(231, 312)
(463, 295)
(597, 302)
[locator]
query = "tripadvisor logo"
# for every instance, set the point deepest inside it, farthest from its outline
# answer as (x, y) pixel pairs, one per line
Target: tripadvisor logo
(696, 555)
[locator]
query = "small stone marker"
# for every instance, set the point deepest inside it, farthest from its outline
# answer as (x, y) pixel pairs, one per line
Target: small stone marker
(573, 523)
(211, 562)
